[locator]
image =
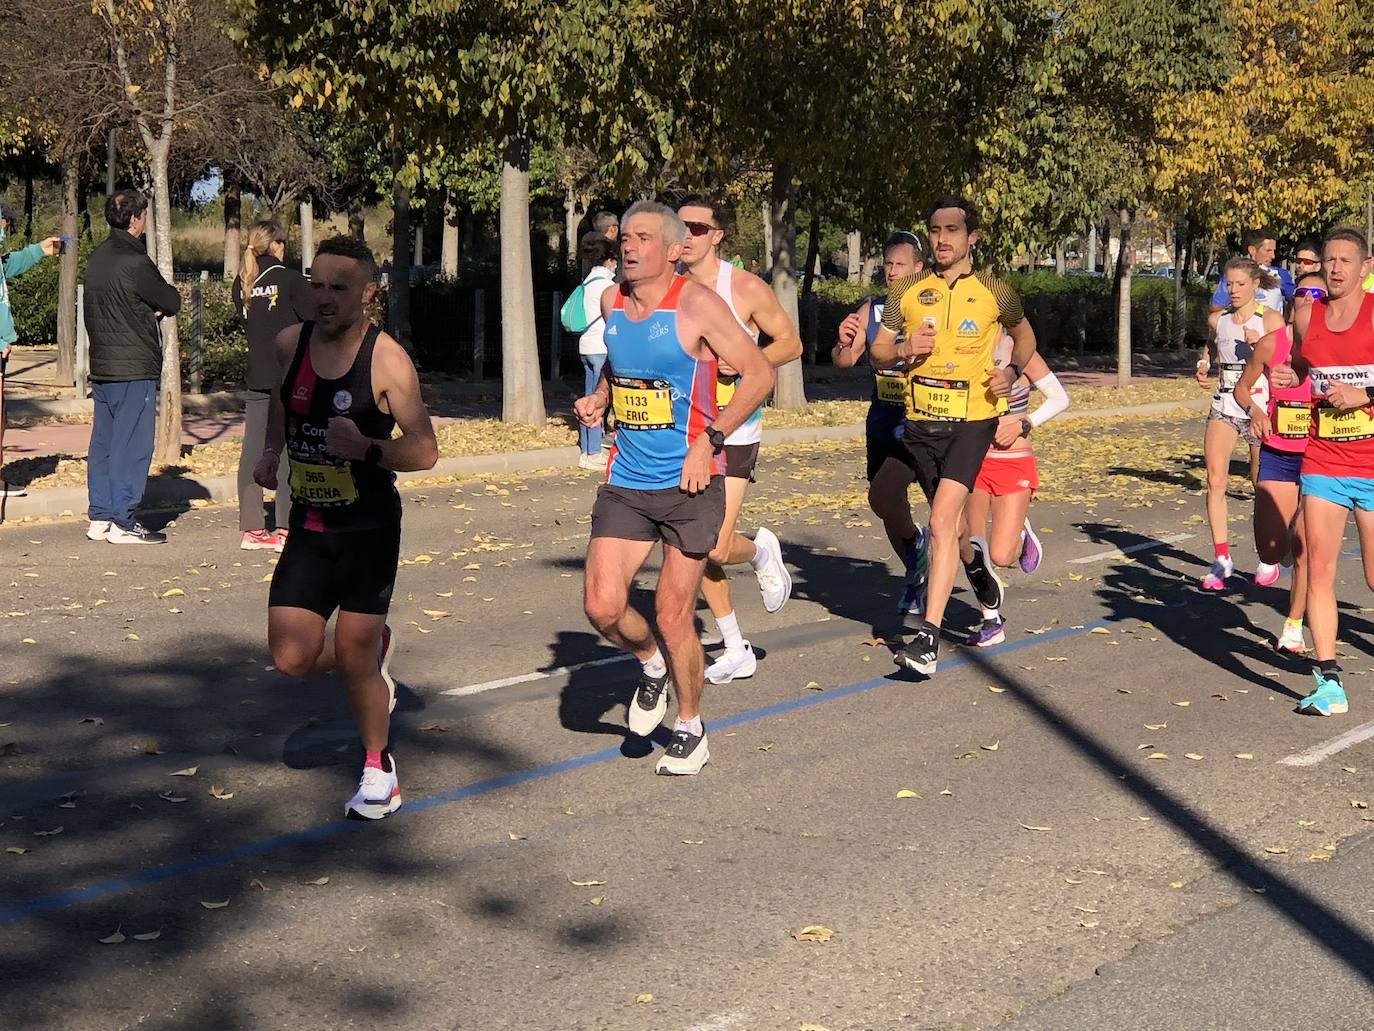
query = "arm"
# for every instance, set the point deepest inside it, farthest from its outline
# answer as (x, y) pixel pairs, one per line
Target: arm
(732, 345)
(884, 351)
(1260, 356)
(302, 298)
(785, 342)
(265, 471)
(399, 384)
(850, 345)
(20, 261)
(154, 291)
(1014, 321)
(1056, 397)
(591, 409)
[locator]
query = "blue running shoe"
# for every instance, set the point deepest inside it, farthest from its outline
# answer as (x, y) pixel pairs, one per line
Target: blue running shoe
(917, 561)
(1327, 700)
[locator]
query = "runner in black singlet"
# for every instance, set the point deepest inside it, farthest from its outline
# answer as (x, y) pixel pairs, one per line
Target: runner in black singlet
(347, 387)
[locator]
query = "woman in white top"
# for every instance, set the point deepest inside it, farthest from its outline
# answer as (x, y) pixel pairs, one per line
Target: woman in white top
(598, 254)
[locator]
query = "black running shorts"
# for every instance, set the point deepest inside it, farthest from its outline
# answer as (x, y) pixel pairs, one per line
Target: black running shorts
(948, 450)
(350, 570)
(740, 460)
(678, 519)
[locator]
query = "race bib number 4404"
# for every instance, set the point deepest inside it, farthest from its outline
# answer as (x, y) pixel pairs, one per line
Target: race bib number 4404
(642, 404)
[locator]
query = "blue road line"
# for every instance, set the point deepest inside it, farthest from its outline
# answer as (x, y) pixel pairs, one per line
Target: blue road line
(216, 860)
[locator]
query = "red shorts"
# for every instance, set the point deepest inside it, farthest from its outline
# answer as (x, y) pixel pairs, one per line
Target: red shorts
(1010, 475)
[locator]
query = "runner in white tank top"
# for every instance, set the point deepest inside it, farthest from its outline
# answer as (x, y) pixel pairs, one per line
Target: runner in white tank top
(756, 309)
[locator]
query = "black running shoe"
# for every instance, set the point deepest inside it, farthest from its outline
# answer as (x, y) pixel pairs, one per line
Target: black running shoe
(649, 704)
(921, 654)
(987, 587)
(686, 755)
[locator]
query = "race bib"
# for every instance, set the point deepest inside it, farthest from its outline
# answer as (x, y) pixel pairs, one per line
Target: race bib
(1230, 374)
(725, 390)
(945, 399)
(322, 486)
(891, 387)
(1292, 419)
(1333, 424)
(642, 404)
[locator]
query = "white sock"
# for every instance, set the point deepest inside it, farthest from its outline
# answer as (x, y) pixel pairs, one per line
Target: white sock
(655, 667)
(760, 558)
(693, 726)
(729, 632)
(993, 614)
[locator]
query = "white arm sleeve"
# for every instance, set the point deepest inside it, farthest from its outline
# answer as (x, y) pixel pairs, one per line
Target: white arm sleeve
(1056, 400)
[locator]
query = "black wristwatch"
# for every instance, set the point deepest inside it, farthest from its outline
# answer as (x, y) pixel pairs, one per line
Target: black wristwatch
(373, 454)
(1026, 427)
(717, 440)
(1369, 393)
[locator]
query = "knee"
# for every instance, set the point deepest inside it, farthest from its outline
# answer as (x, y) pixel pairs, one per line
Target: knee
(945, 526)
(1216, 480)
(1002, 555)
(675, 619)
(602, 612)
(292, 659)
(355, 656)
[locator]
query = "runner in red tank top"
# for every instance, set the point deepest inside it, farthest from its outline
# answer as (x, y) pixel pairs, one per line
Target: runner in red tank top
(1336, 349)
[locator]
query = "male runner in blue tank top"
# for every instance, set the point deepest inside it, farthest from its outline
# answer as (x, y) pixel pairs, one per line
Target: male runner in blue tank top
(664, 336)
(346, 386)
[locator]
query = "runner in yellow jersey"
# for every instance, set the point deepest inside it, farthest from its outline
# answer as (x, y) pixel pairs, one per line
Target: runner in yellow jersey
(952, 318)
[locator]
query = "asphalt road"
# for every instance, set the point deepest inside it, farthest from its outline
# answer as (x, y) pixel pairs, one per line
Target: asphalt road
(1051, 873)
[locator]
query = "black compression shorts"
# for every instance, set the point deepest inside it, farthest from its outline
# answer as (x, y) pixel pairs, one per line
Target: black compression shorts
(948, 450)
(350, 570)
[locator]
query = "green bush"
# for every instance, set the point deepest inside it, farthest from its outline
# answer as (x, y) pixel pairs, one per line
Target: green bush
(224, 348)
(842, 291)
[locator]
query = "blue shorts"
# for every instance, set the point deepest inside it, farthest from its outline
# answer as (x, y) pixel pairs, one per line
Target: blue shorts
(1277, 466)
(1347, 491)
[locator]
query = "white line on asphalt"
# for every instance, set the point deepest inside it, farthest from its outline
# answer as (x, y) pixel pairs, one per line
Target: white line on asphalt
(1173, 538)
(720, 1022)
(1327, 749)
(541, 674)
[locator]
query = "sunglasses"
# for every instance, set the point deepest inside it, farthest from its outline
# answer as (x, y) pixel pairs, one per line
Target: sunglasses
(1314, 292)
(1307, 261)
(700, 228)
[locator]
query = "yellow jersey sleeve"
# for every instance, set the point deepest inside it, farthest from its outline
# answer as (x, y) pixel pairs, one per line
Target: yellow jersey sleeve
(1009, 310)
(893, 318)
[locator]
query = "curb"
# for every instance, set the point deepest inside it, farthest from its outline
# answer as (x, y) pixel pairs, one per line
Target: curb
(178, 491)
(195, 404)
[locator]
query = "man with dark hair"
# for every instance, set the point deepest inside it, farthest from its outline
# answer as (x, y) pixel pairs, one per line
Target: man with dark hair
(952, 319)
(1307, 257)
(125, 298)
(346, 386)
(1260, 245)
(15, 263)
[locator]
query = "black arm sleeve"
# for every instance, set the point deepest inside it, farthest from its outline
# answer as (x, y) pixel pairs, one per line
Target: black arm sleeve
(302, 298)
(156, 292)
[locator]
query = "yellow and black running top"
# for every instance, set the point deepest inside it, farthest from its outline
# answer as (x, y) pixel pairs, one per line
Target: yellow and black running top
(951, 383)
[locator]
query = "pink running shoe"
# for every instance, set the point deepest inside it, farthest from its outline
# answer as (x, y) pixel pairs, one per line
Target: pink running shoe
(1215, 580)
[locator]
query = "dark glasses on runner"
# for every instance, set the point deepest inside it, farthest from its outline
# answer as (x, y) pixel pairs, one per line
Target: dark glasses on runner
(1307, 261)
(699, 228)
(1314, 292)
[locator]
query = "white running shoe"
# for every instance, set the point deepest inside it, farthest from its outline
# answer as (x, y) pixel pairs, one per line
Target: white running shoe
(385, 650)
(730, 666)
(379, 794)
(685, 755)
(775, 582)
(99, 530)
(648, 705)
(1291, 640)
(596, 463)
(1265, 574)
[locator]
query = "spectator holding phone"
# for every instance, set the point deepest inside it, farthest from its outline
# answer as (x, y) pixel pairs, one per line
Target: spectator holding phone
(15, 263)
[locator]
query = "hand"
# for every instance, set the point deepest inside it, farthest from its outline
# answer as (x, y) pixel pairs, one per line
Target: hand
(848, 335)
(1251, 335)
(5, 354)
(1000, 381)
(1203, 380)
(51, 246)
(265, 472)
(696, 467)
(918, 344)
(1282, 376)
(344, 440)
(590, 410)
(1008, 431)
(724, 368)
(1345, 397)
(1260, 427)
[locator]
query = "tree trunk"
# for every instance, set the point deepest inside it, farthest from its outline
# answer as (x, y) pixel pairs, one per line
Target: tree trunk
(356, 228)
(522, 395)
(1060, 263)
(66, 277)
(418, 225)
(790, 393)
(1123, 311)
(83, 206)
(307, 234)
(854, 249)
(767, 236)
(866, 273)
(1091, 248)
(233, 217)
(167, 448)
(813, 256)
(571, 219)
(448, 256)
(1176, 325)
(398, 292)
(28, 200)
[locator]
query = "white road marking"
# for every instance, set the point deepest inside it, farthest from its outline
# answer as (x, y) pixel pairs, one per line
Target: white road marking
(542, 674)
(1327, 749)
(1173, 538)
(720, 1022)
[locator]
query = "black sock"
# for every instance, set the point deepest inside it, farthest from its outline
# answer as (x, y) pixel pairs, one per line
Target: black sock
(932, 629)
(1330, 667)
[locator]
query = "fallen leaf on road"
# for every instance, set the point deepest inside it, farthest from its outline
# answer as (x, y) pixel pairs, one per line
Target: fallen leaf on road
(97, 720)
(170, 796)
(1155, 726)
(1356, 803)
(585, 884)
(698, 841)
(1221, 697)
(1029, 827)
(148, 748)
(1156, 755)
(764, 748)
(15, 850)
(907, 793)
(515, 837)
(1141, 748)
(443, 594)
(811, 685)
(1181, 705)
(992, 747)
(1056, 658)
(113, 939)
(1349, 769)
(1070, 880)
(1099, 630)
(214, 905)
(1175, 884)
(255, 883)
(1085, 909)
(190, 771)
(148, 936)
(1245, 755)
(1088, 923)
(1319, 857)
(597, 900)
(1123, 690)
(48, 834)
(873, 642)
(28, 640)
(318, 882)
(218, 792)
(814, 933)
(947, 792)
(1277, 850)
(807, 1026)
(1192, 755)
(997, 690)
(441, 727)
(436, 613)
(175, 592)
(1307, 823)
(644, 997)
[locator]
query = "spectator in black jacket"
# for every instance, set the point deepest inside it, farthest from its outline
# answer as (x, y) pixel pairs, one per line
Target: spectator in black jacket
(270, 297)
(125, 298)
